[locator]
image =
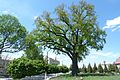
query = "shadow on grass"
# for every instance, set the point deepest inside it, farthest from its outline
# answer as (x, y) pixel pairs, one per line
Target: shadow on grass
(90, 74)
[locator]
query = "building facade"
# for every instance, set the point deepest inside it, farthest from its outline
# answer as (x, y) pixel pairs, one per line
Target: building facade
(53, 61)
(3, 65)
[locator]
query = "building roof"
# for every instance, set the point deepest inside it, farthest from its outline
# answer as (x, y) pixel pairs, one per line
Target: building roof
(117, 62)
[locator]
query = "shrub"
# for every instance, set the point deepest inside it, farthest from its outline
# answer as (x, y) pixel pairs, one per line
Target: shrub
(100, 68)
(117, 69)
(52, 68)
(89, 69)
(105, 69)
(63, 69)
(21, 67)
(94, 68)
(57, 69)
(84, 69)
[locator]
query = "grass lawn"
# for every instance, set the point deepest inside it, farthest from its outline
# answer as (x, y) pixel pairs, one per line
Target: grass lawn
(88, 78)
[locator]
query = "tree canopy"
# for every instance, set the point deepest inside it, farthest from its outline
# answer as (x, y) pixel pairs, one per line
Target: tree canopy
(73, 31)
(12, 34)
(32, 51)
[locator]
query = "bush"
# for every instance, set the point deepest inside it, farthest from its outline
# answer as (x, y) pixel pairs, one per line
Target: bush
(21, 67)
(52, 69)
(100, 68)
(56, 69)
(89, 69)
(63, 69)
(94, 68)
(84, 69)
(105, 69)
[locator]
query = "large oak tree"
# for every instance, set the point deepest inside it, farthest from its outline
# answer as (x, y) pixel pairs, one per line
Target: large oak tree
(12, 34)
(72, 31)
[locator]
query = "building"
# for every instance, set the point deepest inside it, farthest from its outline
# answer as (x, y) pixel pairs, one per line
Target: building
(3, 65)
(53, 61)
(117, 62)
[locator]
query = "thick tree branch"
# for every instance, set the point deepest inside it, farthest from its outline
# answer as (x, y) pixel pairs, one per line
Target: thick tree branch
(55, 48)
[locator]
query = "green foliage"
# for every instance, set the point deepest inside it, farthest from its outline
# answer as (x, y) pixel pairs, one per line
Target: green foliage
(94, 68)
(73, 32)
(52, 69)
(80, 70)
(113, 68)
(117, 69)
(57, 69)
(84, 69)
(63, 69)
(32, 51)
(105, 69)
(12, 34)
(70, 67)
(89, 69)
(100, 68)
(21, 67)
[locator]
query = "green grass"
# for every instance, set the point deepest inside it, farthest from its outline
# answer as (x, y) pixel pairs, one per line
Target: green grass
(87, 78)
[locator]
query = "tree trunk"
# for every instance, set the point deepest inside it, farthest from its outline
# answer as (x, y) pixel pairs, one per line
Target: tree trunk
(74, 66)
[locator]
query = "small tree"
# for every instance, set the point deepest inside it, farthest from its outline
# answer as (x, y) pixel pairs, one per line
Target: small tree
(32, 51)
(105, 69)
(89, 69)
(100, 68)
(94, 68)
(80, 70)
(117, 69)
(111, 68)
(84, 69)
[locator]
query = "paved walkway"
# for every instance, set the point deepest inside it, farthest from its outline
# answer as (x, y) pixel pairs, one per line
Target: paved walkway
(37, 77)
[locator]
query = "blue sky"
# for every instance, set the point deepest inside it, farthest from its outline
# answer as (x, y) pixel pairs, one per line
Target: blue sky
(107, 11)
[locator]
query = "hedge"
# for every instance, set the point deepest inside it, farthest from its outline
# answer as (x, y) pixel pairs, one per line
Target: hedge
(21, 67)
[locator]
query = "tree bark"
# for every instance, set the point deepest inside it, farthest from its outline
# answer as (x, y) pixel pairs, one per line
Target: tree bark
(74, 66)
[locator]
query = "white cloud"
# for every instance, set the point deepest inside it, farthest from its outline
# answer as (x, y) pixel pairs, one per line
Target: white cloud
(102, 54)
(113, 24)
(8, 11)
(93, 57)
(115, 21)
(105, 54)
